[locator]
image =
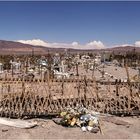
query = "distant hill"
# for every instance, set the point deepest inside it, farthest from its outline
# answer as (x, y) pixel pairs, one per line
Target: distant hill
(122, 49)
(11, 47)
(16, 47)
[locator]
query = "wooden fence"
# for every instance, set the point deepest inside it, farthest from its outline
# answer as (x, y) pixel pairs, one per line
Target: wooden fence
(19, 98)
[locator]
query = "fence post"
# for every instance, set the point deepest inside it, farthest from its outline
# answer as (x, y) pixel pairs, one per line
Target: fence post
(23, 86)
(62, 85)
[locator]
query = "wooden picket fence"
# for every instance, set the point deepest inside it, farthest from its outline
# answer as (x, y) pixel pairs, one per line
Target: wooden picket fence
(19, 98)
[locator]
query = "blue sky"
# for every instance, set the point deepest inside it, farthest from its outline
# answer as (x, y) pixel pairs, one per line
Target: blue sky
(110, 22)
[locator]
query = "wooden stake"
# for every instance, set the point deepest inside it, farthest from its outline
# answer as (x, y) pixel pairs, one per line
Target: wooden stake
(101, 131)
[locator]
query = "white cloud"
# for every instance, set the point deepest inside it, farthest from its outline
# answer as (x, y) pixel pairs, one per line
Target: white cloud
(137, 43)
(122, 45)
(36, 42)
(95, 45)
(74, 45)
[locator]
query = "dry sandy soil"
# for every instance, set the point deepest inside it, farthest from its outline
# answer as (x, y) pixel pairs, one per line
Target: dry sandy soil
(47, 129)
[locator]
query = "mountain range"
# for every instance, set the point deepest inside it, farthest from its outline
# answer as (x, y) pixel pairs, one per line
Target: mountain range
(12, 47)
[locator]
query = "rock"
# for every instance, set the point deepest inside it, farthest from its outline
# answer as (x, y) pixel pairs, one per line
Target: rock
(57, 120)
(4, 130)
(95, 129)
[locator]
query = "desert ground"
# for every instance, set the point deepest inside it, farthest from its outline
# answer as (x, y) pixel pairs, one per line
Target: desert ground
(47, 129)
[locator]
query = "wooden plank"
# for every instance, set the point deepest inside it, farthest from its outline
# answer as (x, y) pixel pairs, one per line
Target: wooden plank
(17, 123)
